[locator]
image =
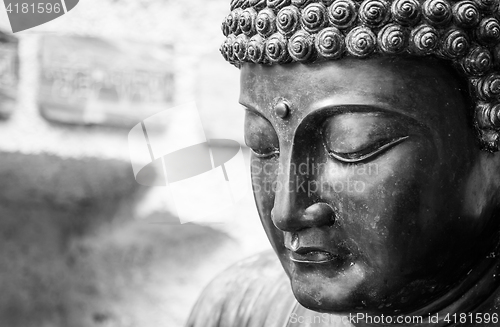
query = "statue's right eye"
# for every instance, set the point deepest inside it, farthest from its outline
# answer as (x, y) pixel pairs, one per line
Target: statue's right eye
(266, 154)
(260, 136)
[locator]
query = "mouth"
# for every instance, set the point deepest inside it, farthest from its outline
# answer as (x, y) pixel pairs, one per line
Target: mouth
(314, 247)
(314, 256)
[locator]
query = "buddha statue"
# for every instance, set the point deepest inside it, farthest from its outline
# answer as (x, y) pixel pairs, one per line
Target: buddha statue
(374, 129)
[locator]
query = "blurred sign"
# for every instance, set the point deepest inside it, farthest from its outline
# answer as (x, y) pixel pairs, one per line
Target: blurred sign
(9, 73)
(107, 82)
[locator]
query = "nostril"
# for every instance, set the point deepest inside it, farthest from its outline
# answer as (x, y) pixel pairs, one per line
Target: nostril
(319, 214)
(316, 215)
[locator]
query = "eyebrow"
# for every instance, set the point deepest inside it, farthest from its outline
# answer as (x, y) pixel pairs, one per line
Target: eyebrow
(337, 109)
(357, 108)
(325, 105)
(322, 107)
(347, 108)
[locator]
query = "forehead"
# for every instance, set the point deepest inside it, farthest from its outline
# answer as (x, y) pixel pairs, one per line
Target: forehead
(425, 90)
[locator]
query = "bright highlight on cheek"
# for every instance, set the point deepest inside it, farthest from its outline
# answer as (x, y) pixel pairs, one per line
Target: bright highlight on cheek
(473, 193)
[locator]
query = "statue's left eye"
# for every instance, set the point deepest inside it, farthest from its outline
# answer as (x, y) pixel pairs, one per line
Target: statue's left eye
(357, 136)
(368, 152)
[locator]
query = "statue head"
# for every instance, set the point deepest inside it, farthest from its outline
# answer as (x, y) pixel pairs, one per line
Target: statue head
(374, 128)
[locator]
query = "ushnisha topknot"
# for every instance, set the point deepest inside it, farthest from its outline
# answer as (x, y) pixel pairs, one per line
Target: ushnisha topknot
(466, 32)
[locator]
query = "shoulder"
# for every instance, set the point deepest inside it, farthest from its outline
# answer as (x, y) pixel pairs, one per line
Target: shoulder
(254, 292)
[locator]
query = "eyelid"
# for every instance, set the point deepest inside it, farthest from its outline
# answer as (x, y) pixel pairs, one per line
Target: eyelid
(265, 155)
(359, 156)
(270, 148)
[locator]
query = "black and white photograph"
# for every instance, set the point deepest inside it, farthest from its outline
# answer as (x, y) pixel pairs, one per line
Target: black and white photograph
(249, 163)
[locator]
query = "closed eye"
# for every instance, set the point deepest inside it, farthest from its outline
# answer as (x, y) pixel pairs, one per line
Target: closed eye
(368, 152)
(266, 155)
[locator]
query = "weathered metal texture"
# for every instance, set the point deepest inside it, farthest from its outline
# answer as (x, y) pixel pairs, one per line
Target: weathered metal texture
(373, 191)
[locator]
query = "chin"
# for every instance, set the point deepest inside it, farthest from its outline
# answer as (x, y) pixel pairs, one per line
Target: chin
(329, 288)
(313, 296)
(321, 303)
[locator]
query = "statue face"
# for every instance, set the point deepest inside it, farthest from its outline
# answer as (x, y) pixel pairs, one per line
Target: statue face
(372, 189)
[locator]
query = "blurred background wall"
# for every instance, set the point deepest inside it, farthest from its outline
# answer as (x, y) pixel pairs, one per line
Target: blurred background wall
(83, 244)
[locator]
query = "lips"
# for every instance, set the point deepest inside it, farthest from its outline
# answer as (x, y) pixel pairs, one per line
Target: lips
(312, 255)
(316, 246)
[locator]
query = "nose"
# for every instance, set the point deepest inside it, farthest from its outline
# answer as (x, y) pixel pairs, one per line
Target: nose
(297, 205)
(316, 215)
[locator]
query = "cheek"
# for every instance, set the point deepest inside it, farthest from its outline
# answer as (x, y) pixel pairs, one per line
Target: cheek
(264, 174)
(264, 182)
(379, 202)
